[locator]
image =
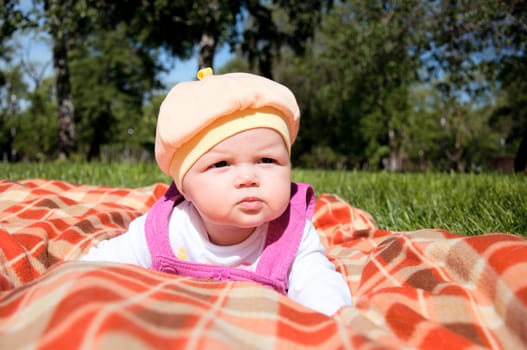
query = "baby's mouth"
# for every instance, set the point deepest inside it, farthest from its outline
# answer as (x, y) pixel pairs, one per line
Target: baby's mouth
(250, 203)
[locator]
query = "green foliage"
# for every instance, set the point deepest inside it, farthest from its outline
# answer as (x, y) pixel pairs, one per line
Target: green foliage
(476, 46)
(366, 93)
(11, 19)
(355, 91)
(322, 157)
(37, 133)
(511, 114)
(12, 90)
(400, 85)
(269, 27)
(463, 203)
(110, 79)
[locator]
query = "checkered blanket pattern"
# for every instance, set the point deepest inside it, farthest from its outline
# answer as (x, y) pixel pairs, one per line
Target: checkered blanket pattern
(426, 289)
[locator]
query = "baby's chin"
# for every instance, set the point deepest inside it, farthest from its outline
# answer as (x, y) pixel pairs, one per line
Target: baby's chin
(247, 220)
(248, 225)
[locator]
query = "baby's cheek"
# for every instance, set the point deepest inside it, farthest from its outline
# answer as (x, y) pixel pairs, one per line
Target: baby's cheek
(281, 198)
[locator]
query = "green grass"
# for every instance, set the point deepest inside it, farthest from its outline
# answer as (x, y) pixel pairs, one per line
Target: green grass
(111, 174)
(463, 203)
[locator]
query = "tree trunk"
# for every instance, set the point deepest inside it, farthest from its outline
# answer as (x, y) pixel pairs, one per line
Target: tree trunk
(265, 63)
(457, 156)
(207, 48)
(520, 161)
(66, 122)
(64, 101)
(394, 159)
(208, 41)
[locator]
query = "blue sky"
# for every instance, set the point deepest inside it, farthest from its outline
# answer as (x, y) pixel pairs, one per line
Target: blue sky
(36, 50)
(186, 70)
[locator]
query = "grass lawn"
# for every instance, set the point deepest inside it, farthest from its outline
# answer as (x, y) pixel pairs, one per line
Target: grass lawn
(463, 203)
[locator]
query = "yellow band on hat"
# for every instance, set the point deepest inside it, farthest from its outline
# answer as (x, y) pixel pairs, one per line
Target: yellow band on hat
(221, 129)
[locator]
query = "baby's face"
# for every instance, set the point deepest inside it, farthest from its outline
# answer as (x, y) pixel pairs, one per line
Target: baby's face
(239, 184)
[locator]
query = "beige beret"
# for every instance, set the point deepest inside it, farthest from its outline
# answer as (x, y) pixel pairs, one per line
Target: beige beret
(197, 115)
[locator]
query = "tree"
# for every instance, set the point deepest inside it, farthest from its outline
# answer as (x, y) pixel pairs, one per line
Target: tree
(38, 123)
(515, 108)
(149, 24)
(59, 14)
(216, 19)
(257, 29)
(11, 19)
(176, 27)
(10, 79)
(511, 37)
(110, 78)
(11, 91)
(474, 39)
(271, 26)
(354, 84)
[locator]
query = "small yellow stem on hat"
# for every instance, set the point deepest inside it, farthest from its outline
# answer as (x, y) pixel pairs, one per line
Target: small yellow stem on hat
(202, 73)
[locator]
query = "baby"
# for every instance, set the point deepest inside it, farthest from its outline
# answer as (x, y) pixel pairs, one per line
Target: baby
(231, 212)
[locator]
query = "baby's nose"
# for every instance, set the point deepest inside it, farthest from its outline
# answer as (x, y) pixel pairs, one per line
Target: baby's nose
(247, 177)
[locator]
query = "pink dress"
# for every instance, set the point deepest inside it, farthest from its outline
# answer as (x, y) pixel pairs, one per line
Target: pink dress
(281, 245)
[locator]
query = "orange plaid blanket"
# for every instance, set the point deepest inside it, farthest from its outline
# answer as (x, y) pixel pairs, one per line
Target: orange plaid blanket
(426, 289)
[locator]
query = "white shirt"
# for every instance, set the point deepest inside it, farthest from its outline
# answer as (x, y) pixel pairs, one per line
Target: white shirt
(312, 280)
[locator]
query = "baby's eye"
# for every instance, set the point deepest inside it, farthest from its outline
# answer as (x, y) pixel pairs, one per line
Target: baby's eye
(220, 164)
(267, 160)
